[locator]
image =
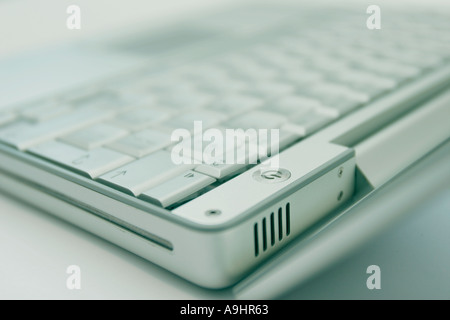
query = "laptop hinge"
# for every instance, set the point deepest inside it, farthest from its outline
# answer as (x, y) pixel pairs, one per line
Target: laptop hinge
(389, 151)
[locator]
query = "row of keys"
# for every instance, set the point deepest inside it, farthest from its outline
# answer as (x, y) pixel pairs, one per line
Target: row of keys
(92, 128)
(154, 178)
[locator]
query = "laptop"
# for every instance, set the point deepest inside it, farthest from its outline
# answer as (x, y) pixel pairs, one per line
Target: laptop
(224, 146)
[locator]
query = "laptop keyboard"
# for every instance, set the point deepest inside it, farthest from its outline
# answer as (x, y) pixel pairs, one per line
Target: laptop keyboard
(118, 133)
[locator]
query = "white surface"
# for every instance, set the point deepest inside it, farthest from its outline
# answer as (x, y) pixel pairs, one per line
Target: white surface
(36, 248)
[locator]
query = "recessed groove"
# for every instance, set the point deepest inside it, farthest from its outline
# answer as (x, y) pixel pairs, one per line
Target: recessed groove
(288, 218)
(272, 229)
(255, 240)
(264, 235)
(280, 224)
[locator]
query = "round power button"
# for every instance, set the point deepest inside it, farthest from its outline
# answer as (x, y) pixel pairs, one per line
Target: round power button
(270, 175)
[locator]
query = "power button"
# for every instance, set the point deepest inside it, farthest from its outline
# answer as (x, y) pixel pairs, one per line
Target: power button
(270, 175)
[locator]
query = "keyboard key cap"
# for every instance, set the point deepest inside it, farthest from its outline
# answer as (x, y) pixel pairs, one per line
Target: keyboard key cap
(207, 73)
(235, 104)
(94, 136)
(275, 143)
(328, 89)
(23, 134)
(245, 66)
(97, 99)
(391, 68)
(243, 154)
(352, 76)
(186, 120)
(45, 110)
(91, 163)
(142, 174)
(273, 89)
(185, 98)
(276, 58)
(257, 120)
(226, 87)
(142, 143)
(177, 188)
(300, 77)
(6, 117)
(369, 84)
(292, 105)
(203, 147)
(307, 123)
(139, 118)
(220, 170)
(339, 106)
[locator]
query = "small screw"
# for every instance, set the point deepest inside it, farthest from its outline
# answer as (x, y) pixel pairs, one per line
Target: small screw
(213, 212)
(340, 171)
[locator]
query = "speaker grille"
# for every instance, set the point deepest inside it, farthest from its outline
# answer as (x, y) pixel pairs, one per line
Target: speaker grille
(272, 229)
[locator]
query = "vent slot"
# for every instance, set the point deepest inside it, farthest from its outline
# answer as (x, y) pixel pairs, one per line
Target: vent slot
(264, 234)
(280, 224)
(255, 233)
(272, 229)
(276, 226)
(288, 219)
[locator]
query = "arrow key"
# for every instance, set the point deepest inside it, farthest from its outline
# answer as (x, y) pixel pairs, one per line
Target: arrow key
(144, 173)
(90, 163)
(177, 188)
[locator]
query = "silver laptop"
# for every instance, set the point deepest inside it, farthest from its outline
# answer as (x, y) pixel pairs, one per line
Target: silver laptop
(226, 144)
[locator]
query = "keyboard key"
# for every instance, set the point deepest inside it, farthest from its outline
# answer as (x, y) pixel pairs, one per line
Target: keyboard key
(139, 118)
(91, 163)
(352, 76)
(220, 170)
(276, 58)
(275, 143)
(369, 84)
(308, 122)
(270, 90)
(23, 134)
(226, 87)
(256, 120)
(202, 146)
(338, 106)
(142, 143)
(110, 99)
(78, 94)
(142, 174)
(292, 105)
(246, 66)
(390, 68)
(337, 90)
(186, 120)
(235, 104)
(6, 117)
(235, 157)
(96, 98)
(177, 188)
(45, 110)
(207, 73)
(94, 136)
(327, 64)
(185, 98)
(299, 77)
